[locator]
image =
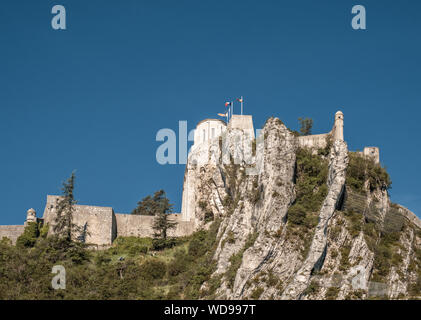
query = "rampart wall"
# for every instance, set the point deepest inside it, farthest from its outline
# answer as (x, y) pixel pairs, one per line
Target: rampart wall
(314, 141)
(11, 232)
(142, 226)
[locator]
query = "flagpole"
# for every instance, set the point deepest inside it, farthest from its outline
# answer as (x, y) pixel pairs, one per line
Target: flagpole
(241, 105)
(232, 106)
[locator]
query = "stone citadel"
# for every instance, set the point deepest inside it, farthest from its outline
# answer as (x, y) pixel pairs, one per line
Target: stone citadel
(104, 225)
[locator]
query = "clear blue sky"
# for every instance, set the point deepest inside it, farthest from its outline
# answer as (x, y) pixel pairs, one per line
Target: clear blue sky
(92, 97)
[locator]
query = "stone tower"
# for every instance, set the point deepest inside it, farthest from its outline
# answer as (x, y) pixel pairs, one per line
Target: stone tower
(372, 152)
(338, 129)
(31, 216)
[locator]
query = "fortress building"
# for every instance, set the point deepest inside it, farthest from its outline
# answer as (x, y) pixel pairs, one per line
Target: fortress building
(208, 129)
(320, 140)
(104, 225)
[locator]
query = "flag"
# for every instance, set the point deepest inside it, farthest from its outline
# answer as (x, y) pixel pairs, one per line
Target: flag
(240, 99)
(223, 114)
(228, 104)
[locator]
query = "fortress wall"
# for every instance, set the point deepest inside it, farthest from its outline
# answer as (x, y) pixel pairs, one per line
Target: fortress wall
(243, 122)
(134, 225)
(371, 152)
(11, 232)
(313, 141)
(99, 223)
(98, 220)
(141, 226)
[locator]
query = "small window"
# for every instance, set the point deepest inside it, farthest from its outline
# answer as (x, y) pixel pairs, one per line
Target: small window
(213, 132)
(204, 135)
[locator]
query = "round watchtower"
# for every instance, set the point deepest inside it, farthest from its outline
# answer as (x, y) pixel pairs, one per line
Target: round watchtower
(31, 216)
(208, 129)
(338, 130)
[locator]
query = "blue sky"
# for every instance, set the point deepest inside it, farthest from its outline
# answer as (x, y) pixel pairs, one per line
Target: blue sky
(93, 97)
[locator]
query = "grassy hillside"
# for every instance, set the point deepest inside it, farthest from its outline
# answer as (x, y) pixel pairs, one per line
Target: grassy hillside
(130, 269)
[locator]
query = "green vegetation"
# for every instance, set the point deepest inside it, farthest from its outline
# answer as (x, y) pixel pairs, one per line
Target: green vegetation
(311, 177)
(311, 190)
(256, 193)
(151, 205)
(362, 169)
(385, 255)
(332, 293)
(255, 295)
(159, 206)
(306, 125)
(63, 223)
(355, 222)
(130, 269)
(326, 150)
(313, 288)
(236, 259)
(209, 216)
(344, 264)
(235, 176)
(29, 236)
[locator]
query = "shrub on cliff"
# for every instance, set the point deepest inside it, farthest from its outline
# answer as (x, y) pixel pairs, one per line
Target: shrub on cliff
(311, 177)
(306, 125)
(29, 236)
(152, 205)
(153, 269)
(363, 170)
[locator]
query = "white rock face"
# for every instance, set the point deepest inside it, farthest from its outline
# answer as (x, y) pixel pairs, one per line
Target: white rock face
(256, 255)
(336, 183)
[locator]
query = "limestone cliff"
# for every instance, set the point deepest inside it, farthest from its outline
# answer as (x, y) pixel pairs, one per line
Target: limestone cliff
(295, 225)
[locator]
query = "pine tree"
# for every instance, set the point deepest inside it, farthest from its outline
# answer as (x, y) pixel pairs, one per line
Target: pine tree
(64, 226)
(306, 126)
(162, 209)
(151, 205)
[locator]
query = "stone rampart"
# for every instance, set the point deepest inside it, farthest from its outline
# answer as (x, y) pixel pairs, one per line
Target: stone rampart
(142, 226)
(314, 141)
(11, 232)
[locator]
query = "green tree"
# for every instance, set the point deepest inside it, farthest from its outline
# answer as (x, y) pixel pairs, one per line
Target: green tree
(150, 205)
(29, 237)
(306, 126)
(64, 226)
(161, 209)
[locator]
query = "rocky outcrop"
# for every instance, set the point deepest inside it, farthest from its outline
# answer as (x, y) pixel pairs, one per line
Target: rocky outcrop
(360, 246)
(314, 261)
